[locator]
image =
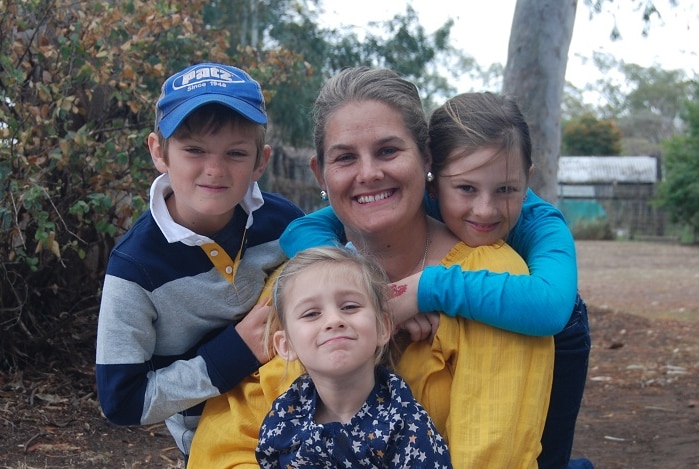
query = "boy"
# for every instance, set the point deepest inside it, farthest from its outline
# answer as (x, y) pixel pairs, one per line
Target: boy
(173, 326)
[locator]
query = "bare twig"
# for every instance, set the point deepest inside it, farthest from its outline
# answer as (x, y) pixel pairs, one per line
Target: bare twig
(26, 445)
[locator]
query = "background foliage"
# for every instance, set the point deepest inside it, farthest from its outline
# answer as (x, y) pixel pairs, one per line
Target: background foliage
(77, 87)
(587, 135)
(679, 192)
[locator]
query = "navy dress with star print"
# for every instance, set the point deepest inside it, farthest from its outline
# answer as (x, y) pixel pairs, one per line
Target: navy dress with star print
(391, 430)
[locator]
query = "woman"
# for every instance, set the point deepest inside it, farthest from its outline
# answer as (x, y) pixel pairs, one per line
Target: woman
(486, 389)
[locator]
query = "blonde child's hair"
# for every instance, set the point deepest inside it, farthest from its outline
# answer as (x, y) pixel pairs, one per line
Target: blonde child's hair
(371, 276)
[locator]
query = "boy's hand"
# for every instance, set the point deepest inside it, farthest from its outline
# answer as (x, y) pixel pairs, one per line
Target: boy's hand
(253, 328)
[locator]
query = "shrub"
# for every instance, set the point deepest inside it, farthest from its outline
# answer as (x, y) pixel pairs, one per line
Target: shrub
(597, 229)
(78, 81)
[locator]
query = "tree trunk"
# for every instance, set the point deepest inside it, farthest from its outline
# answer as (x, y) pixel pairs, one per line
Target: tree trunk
(535, 75)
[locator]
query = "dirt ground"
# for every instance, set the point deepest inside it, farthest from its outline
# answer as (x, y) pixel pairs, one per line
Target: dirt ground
(640, 409)
(641, 402)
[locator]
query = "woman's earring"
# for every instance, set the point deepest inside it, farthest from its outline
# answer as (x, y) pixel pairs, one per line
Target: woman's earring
(430, 176)
(323, 195)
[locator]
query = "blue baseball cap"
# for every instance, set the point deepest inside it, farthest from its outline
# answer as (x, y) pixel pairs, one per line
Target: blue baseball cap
(207, 83)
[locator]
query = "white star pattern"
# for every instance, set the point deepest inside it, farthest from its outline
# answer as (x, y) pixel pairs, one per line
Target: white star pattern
(391, 430)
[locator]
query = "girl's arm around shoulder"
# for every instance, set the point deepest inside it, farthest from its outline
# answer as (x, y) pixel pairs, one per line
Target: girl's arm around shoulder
(535, 304)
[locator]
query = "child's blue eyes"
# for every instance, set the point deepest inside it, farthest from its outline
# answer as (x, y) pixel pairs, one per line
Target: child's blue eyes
(508, 190)
(200, 151)
(347, 308)
(501, 190)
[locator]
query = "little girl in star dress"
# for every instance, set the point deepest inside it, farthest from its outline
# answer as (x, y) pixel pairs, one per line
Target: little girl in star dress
(347, 410)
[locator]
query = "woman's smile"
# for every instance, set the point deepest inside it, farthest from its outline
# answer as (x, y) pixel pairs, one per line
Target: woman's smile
(365, 199)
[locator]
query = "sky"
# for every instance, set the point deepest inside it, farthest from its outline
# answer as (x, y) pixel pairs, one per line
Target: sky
(482, 29)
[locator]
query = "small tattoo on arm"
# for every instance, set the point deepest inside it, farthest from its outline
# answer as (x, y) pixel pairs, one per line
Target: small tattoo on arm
(398, 290)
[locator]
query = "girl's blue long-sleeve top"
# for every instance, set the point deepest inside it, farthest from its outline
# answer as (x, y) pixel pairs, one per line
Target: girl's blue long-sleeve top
(537, 304)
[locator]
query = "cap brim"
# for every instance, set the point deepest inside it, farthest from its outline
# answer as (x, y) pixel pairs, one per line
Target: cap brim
(169, 123)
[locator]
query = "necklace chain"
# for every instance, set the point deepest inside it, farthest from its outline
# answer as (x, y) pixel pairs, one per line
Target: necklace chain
(427, 248)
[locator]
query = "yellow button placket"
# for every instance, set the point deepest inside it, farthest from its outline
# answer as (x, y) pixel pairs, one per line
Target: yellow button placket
(222, 261)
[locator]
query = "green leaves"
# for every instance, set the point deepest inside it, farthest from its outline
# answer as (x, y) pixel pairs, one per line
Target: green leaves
(78, 82)
(587, 135)
(679, 191)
